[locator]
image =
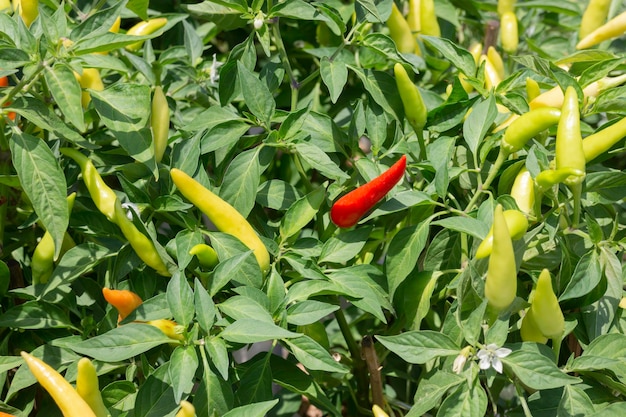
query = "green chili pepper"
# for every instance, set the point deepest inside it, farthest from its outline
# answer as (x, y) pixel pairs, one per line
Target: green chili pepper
(532, 89)
(400, 32)
(414, 108)
(206, 255)
(594, 16)
(546, 309)
(517, 225)
(101, 194)
(549, 177)
(501, 280)
(527, 126)
(141, 244)
(529, 330)
(611, 29)
(42, 261)
(569, 148)
(107, 202)
(160, 122)
(598, 143)
(147, 27)
(88, 388)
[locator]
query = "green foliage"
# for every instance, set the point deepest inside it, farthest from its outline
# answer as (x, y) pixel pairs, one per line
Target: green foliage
(280, 108)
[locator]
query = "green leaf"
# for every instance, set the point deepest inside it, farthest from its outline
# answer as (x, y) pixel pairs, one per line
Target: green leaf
(123, 107)
(467, 401)
(193, 43)
(293, 123)
(255, 384)
(35, 315)
(313, 356)
(182, 370)
(241, 181)
(98, 22)
(252, 331)
(459, 57)
(66, 93)
(536, 370)
(252, 410)
(139, 7)
(585, 278)
(180, 299)
(309, 311)
(335, 76)
(240, 307)
(216, 348)
(404, 251)
(345, 246)
(277, 194)
(431, 390)
(301, 213)
(242, 269)
(574, 402)
(420, 346)
(468, 225)
(378, 84)
(13, 58)
(121, 343)
(42, 116)
(479, 122)
(204, 306)
(320, 161)
(156, 395)
(43, 182)
(256, 94)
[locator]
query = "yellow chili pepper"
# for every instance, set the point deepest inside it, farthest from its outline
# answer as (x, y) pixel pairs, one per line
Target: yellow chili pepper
(610, 30)
(413, 17)
(144, 28)
(89, 79)
(506, 6)
(171, 329)
(27, 9)
(546, 309)
(529, 330)
(569, 146)
(428, 19)
(400, 32)
(554, 96)
(594, 16)
(501, 280)
(509, 36)
(223, 215)
(523, 191)
(496, 61)
(186, 409)
(414, 108)
(206, 255)
(379, 412)
(64, 395)
(87, 386)
(532, 89)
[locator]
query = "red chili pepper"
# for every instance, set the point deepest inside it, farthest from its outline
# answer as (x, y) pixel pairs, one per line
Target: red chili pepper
(348, 210)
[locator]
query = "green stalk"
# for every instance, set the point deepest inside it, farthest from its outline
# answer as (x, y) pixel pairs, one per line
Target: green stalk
(493, 171)
(359, 368)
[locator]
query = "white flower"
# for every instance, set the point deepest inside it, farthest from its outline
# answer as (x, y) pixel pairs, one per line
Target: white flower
(490, 356)
(128, 207)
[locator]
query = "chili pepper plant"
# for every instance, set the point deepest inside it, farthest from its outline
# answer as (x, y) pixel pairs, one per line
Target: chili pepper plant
(290, 208)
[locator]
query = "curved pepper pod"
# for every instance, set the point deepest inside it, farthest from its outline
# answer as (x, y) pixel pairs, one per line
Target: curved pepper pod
(102, 195)
(414, 108)
(509, 35)
(89, 79)
(64, 395)
(222, 215)
(124, 301)
(600, 142)
(169, 327)
(594, 16)
(501, 280)
(569, 142)
(546, 309)
(160, 123)
(529, 330)
(527, 126)
(517, 225)
(141, 244)
(207, 257)
(523, 191)
(611, 29)
(400, 32)
(146, 27)
(88, 388)
(549, 177)
(186, 409)
(348, 210)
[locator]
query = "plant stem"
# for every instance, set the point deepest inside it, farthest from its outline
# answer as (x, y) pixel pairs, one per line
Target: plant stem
(371, 359)
(522, 399)
(493, 171)
(359, 369)
(576, 190)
